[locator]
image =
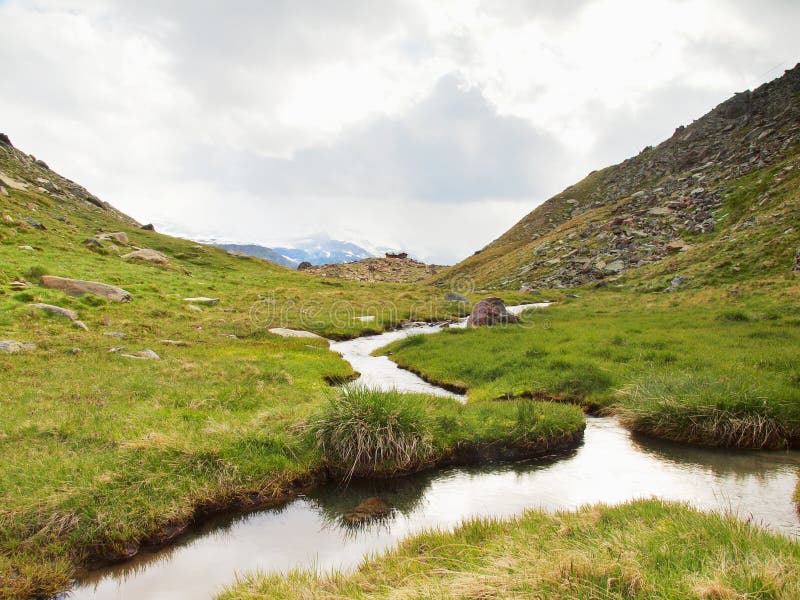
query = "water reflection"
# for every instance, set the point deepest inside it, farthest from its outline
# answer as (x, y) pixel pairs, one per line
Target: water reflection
(609, 467)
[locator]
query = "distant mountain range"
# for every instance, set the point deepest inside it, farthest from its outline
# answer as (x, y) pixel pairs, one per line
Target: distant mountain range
(318, 250)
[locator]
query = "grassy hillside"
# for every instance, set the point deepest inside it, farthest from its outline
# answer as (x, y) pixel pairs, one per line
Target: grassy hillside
(724, 185)
(103, 452)
(645, 549)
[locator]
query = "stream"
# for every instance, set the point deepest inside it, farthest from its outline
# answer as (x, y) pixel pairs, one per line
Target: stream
(309, 532)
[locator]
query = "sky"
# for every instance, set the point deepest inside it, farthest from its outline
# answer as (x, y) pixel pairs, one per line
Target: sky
(430, 127)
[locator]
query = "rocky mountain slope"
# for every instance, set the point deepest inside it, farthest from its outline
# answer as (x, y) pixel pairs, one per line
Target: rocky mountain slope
(723, 184)
(395, 270)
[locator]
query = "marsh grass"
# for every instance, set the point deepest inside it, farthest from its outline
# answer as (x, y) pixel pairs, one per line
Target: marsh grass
(714, 411)
(643, 549)
(372, 433)
(707, 367)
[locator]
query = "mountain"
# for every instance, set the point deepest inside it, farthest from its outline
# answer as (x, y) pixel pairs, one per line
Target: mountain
(269, 254)
(318, 250)
(321, 250)
(717, 200)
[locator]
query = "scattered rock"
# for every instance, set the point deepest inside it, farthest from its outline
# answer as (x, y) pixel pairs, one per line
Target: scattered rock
(116, 334)
(78, 287)
(57, 311)
(143, 355)
(27, 248)
(203, 300)
(148, 255)
(490, 311)
(80, 325)
(12, 346)
(31, 222)
(41, 163)
(93, 244)
(456, 297)
(304, 265)
(180, 343)
(76, 350)
(370, 509)
(298, 333)
(194, 308)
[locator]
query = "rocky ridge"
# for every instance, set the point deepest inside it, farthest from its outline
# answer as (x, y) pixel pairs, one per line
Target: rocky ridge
(395, 270)
(650, 206)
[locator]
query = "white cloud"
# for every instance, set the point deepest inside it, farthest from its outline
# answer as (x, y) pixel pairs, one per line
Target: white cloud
(426, 125)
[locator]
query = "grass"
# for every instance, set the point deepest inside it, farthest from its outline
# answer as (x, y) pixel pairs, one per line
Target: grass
(100, 453)
(643, 549)
(713, 367)
(366, 432)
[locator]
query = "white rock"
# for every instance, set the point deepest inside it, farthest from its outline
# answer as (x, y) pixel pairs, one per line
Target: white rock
(298, 333)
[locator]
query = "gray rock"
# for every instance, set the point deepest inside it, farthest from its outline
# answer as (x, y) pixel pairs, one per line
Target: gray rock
(78, 287)
(56, 311)
(614, 267)
(12, 346)
(490, 311)
(116, 334)
(27, 248)
(456, 297)
(80, 325)
(93, 244)
(304, 265)
(676, 282)
(180, 343)
(31, 222)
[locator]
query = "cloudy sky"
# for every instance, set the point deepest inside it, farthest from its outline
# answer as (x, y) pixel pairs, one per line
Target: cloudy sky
(426, 126)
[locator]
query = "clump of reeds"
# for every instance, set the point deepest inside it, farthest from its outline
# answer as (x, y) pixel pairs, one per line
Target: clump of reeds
(368, 432)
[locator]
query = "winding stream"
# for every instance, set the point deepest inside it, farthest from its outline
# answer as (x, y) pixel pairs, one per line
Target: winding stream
(611, 466)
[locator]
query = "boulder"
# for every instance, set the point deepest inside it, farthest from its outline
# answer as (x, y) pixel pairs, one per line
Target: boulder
(4, 139)
(284, 332)
(148, 227)
(677, 245)
(148, 255)
(12, 346)
(118, 236)
(304, 265)
(57, 311)
(456, 297)
(93, 244)
(78, 287)
(490, 311)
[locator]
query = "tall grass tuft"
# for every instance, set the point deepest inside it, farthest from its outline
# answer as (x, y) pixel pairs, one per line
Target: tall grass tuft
(368, 432)
(711, 411)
